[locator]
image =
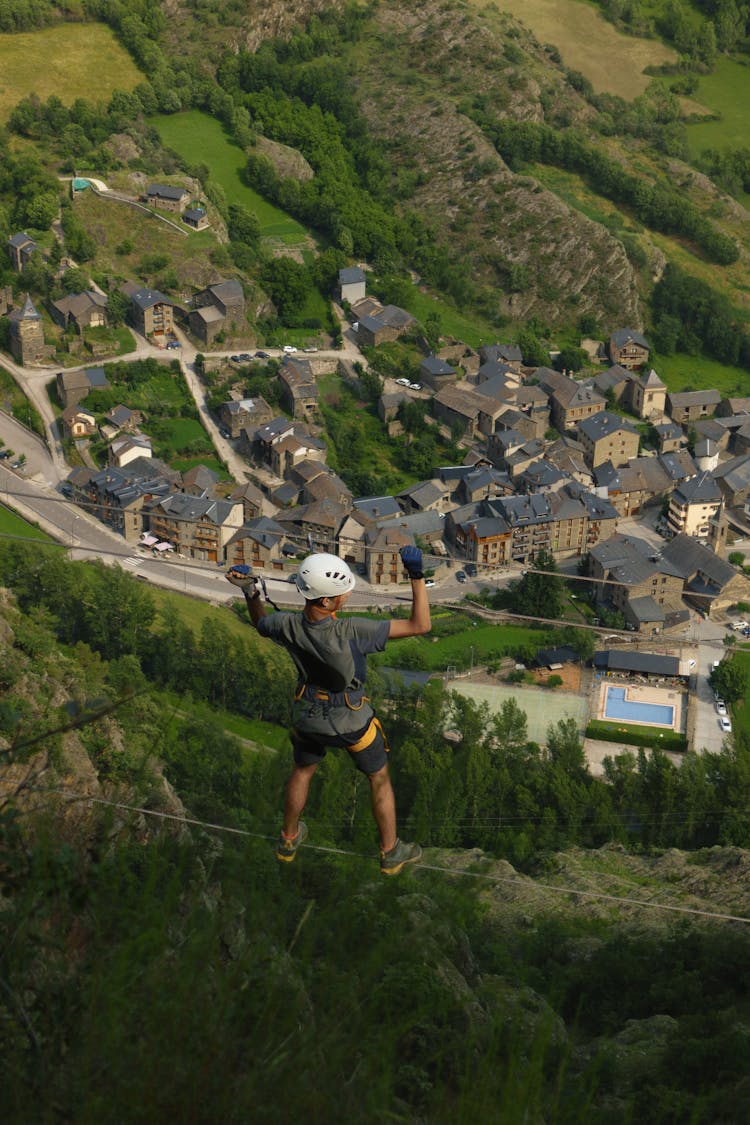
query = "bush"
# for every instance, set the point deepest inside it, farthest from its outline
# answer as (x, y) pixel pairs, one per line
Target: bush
(636, 736)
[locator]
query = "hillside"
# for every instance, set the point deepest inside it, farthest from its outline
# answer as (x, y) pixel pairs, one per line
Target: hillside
(155, 970)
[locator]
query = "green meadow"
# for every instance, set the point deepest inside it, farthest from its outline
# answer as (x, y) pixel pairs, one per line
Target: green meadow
(697, 373)
(13, 524)
(199, 138)
(71, 60)
(725, 92)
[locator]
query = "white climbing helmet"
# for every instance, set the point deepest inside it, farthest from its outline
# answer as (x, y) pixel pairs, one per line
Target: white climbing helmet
(324, 576)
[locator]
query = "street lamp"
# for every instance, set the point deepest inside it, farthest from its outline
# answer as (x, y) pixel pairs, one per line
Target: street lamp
(72, 526)
(471, 649)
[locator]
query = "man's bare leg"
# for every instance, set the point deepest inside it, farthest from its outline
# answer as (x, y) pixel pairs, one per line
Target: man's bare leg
(297, 790)
(383, 807)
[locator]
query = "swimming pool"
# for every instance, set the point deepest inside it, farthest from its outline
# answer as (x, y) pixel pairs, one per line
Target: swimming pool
(630, 711)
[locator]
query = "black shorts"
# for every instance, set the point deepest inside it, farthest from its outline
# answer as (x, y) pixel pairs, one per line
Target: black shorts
(367, 748)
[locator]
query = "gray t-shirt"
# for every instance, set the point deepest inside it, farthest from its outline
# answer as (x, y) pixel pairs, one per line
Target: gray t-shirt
(330, 655)
(341, 645)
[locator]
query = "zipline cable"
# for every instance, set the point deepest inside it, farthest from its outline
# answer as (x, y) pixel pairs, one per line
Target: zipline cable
(494, 879)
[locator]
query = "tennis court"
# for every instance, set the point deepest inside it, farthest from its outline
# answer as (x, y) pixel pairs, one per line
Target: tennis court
(542, 705)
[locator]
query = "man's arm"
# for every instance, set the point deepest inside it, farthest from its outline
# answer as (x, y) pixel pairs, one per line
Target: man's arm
(240, 576)
(419, 622)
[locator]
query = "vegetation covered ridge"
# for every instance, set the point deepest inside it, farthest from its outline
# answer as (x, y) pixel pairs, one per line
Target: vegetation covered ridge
(179, 953)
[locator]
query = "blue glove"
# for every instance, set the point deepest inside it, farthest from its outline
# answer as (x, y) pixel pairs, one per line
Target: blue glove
(411, 557)
(242, 576)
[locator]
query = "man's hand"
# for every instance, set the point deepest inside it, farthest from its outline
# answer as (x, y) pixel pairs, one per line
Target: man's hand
(411, 557)
(242, 576)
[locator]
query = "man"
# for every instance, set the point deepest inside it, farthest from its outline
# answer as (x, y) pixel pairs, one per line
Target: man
(330, 708)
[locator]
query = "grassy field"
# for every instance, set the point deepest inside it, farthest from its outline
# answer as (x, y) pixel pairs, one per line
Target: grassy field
(479, 645)
(71, 60)
(12, 524)
(589, 44)
(741, 711)
(727, 92)
(199, 138)
(700, 374)
(471, 329)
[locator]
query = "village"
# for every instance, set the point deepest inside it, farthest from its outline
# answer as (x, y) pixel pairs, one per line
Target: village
(616, 479)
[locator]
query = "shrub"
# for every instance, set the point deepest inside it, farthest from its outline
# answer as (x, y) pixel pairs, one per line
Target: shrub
(636, 736)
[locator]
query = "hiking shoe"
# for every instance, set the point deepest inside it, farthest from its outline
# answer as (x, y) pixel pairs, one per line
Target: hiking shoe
(287, 849)
(400, 854)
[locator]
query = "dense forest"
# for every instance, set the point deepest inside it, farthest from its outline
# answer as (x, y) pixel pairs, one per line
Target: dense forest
(154, 970)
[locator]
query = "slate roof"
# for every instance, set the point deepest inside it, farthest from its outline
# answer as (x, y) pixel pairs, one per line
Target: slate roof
(166, 191)
(435, 366)
(351, 275)
(623, 336)
(689, 557)
(652, 380)
(147, 298)
(26, 312)
(693, 398)
(701, 489)
(261, 530)
(603, 425)
(735, 473)
(193, 509)
(645, 609)
(19, 240)
(376, 507)
(678, 465)
(652, 663)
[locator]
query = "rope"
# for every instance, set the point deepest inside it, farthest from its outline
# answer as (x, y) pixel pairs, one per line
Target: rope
(494, 879)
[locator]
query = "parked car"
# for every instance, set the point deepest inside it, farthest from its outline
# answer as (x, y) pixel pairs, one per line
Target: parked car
(4, 454)
(262, 355)
(245, 357)
(289, 349)
(721, 707)
(725, 724)
(429, 582)
(234, 359)
(471, 570)
(746, 632)
(173, 344)
(415, 386)
(403, 382)
(309, 349)
(355, 326)
(460, 576)
(740, 625)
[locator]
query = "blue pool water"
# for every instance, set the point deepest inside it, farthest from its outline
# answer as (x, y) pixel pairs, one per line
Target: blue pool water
(617, 707)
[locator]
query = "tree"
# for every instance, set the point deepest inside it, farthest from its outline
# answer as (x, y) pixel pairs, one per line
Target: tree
(287, 283)
(730, 680)
(118, 305)
(243, 226)
(539, 594)
(571, 359)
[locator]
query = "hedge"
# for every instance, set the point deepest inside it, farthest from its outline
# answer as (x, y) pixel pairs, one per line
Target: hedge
(636, 736)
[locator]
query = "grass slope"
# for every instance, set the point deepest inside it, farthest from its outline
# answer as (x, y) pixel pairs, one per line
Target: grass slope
(589, 44)
(12, 524)
(71, 60)
(197, 137)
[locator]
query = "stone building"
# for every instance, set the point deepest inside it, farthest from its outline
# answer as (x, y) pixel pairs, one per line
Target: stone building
(27, 336)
